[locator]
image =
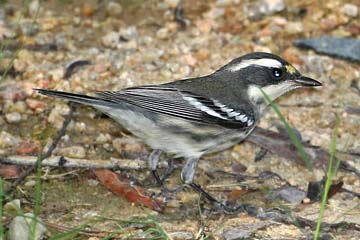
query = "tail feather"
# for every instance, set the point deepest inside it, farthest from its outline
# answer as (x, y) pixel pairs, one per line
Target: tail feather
(74, 97)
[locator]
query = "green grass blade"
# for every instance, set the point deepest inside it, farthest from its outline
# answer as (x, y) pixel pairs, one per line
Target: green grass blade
(1, 209)
(329, 175)
(5, 44)
(38, 196)
(292, 135)
(71, 234)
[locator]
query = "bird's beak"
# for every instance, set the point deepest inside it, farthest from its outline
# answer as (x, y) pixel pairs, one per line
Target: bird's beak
(307, 82)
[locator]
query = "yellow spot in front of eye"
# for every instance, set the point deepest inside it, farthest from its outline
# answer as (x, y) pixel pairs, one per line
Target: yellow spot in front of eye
(290, 69)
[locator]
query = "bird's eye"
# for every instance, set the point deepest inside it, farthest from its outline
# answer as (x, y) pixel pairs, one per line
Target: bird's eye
(277, 72)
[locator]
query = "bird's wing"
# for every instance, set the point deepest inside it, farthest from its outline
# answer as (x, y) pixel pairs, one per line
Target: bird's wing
(181, 104)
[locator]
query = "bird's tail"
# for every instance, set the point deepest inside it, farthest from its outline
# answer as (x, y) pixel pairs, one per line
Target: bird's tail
(74, 97)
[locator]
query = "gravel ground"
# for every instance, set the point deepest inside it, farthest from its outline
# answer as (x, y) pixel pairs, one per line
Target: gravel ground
(139, 42)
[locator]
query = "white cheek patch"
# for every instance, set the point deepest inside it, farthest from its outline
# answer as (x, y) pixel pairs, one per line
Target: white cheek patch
(273, 91)
(262, 62)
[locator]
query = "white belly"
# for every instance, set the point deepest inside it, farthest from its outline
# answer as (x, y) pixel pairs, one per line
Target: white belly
(171, 139)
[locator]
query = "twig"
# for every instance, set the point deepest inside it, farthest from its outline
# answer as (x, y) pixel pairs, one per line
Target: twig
(86, 232)
(73, 66)
(56, 161)
(354, 85)
(179, 15)
(281, 216)
(46, 47)
(307, 105)
(47, 154)
(352, 110)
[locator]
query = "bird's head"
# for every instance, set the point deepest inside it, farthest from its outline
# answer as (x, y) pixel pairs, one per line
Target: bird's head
(268, 72)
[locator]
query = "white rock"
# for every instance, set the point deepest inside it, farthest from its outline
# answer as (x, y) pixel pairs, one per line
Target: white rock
(350, 10)
(12, 206)
(181, 235)
(111, 39)
(21, 225)
(129, 33)
(223, 3)
(30, 183)
(294, 27)
(172, 3)
(93, 182)
(103, 138)
(162, 33)
(114, 9)
(73, 152)
(13, 117)
(8, 140)
(56, 115)
(273, 6)
(34, 7)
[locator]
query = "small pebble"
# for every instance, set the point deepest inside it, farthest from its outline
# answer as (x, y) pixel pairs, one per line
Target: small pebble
(73, 152)
(34, 7)
(162, 33)
(350, 10)
(30, 183)
(202, 54)
(273, 6)
(103, 138)
(8, 140)
(254, 10)
(181, 235)
(190, 60)
(172, 3)
(56, 115)
(129, 33)
(13, 117)
(204, 25)
(93, 182)
(87, 10)
(111, 39)
(19, 107)
(36, 105)
(20, 228)
(294, 27)
(30, 28)
(114, 9)
(28, 147)
(12, 206)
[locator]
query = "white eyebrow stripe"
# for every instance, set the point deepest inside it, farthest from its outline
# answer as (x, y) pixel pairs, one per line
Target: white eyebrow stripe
(263, 62)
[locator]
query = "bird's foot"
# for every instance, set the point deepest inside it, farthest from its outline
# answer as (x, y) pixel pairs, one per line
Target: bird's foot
(169, 194)
(229, 209)
(168, 171)
(224, 207)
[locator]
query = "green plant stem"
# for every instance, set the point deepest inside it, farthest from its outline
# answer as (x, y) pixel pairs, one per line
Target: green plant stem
(1, 208)
(328, 183)
(38, 195)
(292, 135)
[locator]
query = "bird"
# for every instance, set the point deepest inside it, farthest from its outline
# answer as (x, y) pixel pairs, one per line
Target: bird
(193, 117)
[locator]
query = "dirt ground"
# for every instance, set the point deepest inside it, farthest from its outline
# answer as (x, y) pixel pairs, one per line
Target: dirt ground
(132, 43)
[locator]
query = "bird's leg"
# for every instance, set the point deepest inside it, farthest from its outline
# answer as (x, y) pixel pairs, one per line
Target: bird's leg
(153, 162)
(169, 170)
(187, 175)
